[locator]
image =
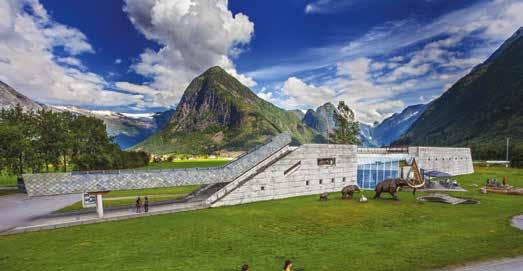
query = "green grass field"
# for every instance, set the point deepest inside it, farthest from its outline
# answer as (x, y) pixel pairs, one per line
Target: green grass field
(7, 180)
(331, 235)
(128, 197)
(187, 164)
(114, 198)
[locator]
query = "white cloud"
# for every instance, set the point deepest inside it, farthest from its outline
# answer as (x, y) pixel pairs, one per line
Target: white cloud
(118, 61)
(28, 37)
(327, 6)
(194, 35)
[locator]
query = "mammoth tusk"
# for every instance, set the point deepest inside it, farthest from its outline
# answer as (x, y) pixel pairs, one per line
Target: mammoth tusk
(416, 185)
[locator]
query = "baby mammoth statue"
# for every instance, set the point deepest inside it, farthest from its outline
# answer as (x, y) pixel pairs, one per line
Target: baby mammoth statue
(348, 191)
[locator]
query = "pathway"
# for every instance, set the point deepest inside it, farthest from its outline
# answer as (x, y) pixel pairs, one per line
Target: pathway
(18, 209)
(506, 264)
(68, 220)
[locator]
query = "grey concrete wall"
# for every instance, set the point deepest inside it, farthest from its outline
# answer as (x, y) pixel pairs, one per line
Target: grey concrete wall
(71, 183)
(455, 161)
(276, 185)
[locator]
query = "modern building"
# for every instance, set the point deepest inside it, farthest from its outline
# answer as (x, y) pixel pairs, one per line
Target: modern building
(273, 170)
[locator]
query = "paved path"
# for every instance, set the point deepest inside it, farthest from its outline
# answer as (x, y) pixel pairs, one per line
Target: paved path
(506, 264)
(18, 209)
(46, 223)
(517, 221)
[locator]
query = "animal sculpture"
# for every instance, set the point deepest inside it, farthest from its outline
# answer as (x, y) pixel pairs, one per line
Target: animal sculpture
(348, 191)
(390, 186)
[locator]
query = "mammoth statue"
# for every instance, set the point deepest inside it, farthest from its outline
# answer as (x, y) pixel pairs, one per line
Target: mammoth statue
(392, 185)
(348, 191)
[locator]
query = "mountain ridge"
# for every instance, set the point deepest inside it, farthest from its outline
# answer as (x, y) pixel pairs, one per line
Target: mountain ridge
(484, 106)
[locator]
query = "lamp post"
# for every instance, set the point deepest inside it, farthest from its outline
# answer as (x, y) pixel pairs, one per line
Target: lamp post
(506, 158)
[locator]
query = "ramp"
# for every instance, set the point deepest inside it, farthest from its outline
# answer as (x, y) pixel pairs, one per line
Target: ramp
(45, 184)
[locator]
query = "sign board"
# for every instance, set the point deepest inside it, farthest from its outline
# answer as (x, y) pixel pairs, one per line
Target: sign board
(88, 200)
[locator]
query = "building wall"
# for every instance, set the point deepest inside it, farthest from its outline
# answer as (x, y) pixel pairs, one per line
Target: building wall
(77, 182)
(455, 161)
(272, 183)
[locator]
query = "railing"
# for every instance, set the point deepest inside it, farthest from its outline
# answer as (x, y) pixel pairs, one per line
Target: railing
(382, 150)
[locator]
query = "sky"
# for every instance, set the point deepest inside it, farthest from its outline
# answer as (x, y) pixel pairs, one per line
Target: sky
(140, 55)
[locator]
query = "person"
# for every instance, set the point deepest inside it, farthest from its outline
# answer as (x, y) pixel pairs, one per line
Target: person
(138, 205)
(245, 267)
(287, 266)
(146, 204)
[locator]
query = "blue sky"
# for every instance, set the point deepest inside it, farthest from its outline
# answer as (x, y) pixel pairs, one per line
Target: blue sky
(139, 55)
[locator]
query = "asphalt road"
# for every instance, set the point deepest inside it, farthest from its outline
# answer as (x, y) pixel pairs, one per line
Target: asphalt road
(18, 209)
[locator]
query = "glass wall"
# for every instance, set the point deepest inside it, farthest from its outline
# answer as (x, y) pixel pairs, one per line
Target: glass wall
(371, 173)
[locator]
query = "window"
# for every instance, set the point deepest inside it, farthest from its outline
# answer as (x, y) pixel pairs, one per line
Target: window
(321, 181)
(292, 169)
(326, 161)
(263, 188)
(306, 182)
(343, 180)
(332, 180)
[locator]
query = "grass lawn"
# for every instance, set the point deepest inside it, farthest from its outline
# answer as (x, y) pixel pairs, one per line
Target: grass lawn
(187, 164)
(331, 235)
(7, 180)
(128, 197)
(114, 198)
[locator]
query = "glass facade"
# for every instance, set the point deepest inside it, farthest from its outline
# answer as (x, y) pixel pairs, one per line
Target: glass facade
(374, 170)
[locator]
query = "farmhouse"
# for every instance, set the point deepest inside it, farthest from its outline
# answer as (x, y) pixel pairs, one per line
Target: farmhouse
(272, 170)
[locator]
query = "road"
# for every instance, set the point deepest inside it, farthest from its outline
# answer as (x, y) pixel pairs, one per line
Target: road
(18, 209)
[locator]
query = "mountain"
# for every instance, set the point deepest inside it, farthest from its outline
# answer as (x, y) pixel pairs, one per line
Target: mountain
(217, 112)
(485, 106)
(396, 125)
(321, 119)
(299, 114)
(10, 98)
(127, 129)
(366, 136)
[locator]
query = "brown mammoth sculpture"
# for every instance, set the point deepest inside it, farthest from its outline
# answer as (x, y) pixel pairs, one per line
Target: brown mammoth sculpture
(391, 186)
(348, 191)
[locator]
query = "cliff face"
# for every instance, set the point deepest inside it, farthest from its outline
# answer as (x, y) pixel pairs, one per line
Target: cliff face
(217, 112)
(485, 106)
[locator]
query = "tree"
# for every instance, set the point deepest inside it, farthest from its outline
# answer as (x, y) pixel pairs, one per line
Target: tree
(18, 140)
(347, 128)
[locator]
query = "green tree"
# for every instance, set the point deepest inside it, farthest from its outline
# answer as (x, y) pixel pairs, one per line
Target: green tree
(18, 140)
(347, 128)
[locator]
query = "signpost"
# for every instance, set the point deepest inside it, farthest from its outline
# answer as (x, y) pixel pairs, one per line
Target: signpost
(88, 200)
(92, 200)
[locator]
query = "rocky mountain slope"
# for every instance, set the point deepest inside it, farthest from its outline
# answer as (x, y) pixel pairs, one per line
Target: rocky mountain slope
(10, 98)
(127, 129)
(396, 125)
(217, 112)
(485, 106)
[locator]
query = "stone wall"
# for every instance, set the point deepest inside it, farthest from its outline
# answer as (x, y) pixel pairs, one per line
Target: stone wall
(45, 184)
(272, 183)
(455, 161)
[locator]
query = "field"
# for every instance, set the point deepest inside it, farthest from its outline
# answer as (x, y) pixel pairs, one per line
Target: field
(7, 180)
(332, 235)
(187, 164)
(128, 197)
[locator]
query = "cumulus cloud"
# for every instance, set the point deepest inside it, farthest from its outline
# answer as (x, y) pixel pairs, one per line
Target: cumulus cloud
(194, 35)
(401, 62)
(28, 38)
